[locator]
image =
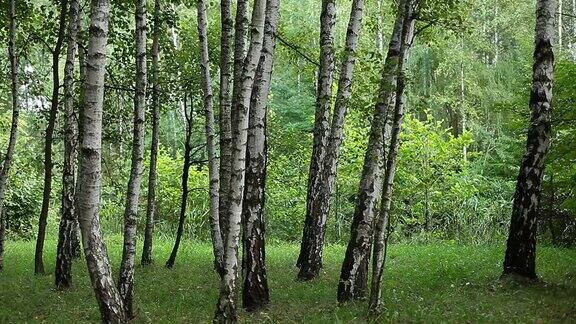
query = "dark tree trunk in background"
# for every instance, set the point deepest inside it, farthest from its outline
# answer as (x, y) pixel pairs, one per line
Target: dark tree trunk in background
(520, 258)
(126, 280)
(381, 223)
(354, 274)
(255, 294)
(310, 257)
(7, 161)
(38, 256)
(226, 79)
(217, 245)
(155, 116)
(327, 177)
(226, 306)
(185, 172)
(90, 175)
(64, 254)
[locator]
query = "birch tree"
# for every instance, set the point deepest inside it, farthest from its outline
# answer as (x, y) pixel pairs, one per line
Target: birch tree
(354, 274)
(311, 264)
(8, 158)
(520, 257)
(255, 293)
(226, 306)
(64, 254)
(218, 246)
(109, 300)
(155, 120)
(126, 280)
(54, 106)
(382, 221)
(309, 259)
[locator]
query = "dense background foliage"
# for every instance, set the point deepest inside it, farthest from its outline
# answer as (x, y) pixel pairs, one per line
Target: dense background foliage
(464, 134)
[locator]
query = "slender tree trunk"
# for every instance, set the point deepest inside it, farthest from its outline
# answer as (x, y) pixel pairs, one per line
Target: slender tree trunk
(218, 246)
(354, 273)
(310, 257)
(255, 294)
(560, 23)
(64, 255)
(185, 172)
(574, 30)
(227, 67)
(152, 175)
(520, 258)
(240, 47)
(379, 28)
(381, 222)
(38, 256)
(126, 280)
(226, 307)
(90, 177)
(310, 266)
(7, 162)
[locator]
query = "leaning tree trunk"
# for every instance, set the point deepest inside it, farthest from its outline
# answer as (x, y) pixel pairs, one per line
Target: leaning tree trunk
(218, 246)
(354, 273)
(226, 78)
(4, 171)
(90, 175)
(64, 254)
(126, 280)
(155, 116)
(255, 294)
(310, 257)
(226, 307)
(520, 258)
(327, 177)
(185, 172)
(38, 256)
(381, 222)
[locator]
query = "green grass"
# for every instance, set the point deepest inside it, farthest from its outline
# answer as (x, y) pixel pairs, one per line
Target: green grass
(432, 283)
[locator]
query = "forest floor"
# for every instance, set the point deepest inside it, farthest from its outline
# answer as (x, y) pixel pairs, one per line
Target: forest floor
(424, 283)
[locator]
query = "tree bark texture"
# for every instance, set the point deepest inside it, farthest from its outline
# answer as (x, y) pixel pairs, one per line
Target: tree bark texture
(155, 119)
(310, 257)
(65, 254)
(126, 280)
(255, 294)
(38, 256)
(226, 87)
(90, 176)
(327, 177)
(354, 273)
(520, 257)
(185, 173)
(382, 220)
(226, 307)
(240, 47)
(217, 244)
(7, 162)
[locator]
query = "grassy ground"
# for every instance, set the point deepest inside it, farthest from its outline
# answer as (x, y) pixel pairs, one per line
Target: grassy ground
(434, 283)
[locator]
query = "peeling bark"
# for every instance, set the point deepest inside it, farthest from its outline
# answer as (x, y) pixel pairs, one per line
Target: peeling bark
(38, 256)
(7, 162)
(255, 294)
(217, 245)
(310, 257)
(226, 307)
(381, 222)
(90, 175)
(64, 254)
(354, 273)
(520, 257)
